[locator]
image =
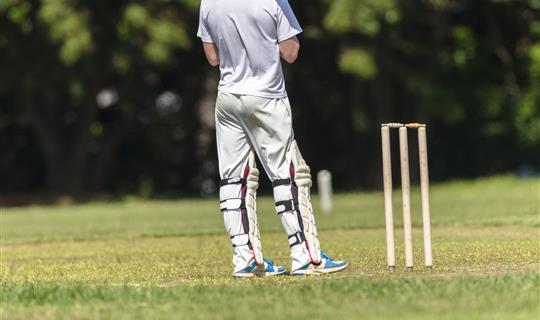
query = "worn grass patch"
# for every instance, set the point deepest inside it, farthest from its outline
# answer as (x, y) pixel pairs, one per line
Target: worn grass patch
(205, 260)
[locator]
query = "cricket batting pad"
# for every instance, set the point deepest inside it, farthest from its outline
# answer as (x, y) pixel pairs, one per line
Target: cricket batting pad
(240, 193)
(252, 183)
(300, 173)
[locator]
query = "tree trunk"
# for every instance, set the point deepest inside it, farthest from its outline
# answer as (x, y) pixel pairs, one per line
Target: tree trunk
(206, 135)
(64, 148)
(65, 174)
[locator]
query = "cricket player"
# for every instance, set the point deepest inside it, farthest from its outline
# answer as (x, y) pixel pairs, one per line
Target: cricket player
(247, 38)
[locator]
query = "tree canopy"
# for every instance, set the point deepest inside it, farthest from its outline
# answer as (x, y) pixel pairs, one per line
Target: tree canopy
(116, 97)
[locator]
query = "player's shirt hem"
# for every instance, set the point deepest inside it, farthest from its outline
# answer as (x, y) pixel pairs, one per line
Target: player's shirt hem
(280, 95)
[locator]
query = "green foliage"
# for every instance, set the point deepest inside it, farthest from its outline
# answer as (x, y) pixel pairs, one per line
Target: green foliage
(364, 17)
(121, 61)
(5, 4)
(360, 16)
(465, 45)
(192, 5)
(438, 4)
(160, 33)
(96, 129)
(136, 16)
(527, 118)
(534, 55)
(165, 35)
(358, 62)
(68, 27)
(18, 13)
(474, 80)
(534, 4)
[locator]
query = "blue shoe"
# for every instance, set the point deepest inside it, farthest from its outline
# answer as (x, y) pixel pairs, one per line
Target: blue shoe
(254, 270)
(327, 265)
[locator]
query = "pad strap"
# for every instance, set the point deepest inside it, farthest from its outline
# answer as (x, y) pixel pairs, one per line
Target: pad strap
(287, 205)
(240, 240)
(296, 239)
(232, 204)
(281, 182)
(235, 180)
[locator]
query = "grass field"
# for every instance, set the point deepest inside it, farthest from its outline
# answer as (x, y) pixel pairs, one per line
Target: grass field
(138, 259)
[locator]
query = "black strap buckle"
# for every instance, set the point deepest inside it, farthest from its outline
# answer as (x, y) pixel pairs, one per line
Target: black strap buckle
(286, 205)
(299, 238)
(235, 180)
(241, 205)
(247, 243)
(281, 182)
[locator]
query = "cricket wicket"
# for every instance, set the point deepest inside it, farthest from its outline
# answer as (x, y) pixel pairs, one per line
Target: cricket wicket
(405, 190)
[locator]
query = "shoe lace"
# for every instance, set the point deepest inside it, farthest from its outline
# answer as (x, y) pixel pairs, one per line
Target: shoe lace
(268, 261)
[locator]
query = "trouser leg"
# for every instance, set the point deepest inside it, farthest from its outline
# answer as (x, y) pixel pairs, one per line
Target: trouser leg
(269, 128)
(233, 153)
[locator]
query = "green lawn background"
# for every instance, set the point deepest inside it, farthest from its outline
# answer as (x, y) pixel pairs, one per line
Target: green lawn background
(138, 259)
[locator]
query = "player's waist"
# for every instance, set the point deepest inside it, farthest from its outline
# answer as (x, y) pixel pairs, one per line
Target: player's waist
(265, 92)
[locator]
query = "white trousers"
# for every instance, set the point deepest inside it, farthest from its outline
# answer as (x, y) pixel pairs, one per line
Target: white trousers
(244, 123)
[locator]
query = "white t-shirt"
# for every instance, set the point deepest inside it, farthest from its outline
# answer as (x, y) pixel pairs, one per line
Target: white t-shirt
(247, 33)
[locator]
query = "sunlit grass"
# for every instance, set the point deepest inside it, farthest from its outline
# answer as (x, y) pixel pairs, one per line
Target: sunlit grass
(205, 260)
(505, 297)
(171, 259)
(494, 201)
